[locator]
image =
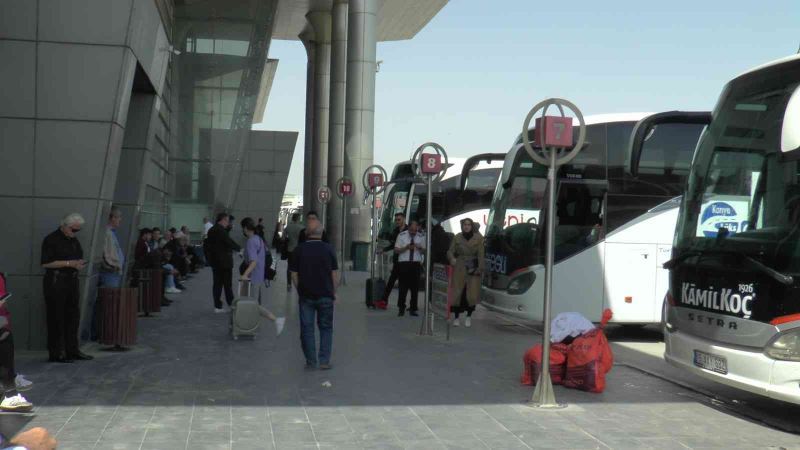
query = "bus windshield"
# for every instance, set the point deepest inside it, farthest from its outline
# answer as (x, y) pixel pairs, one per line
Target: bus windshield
(742, 207)
(511, 234)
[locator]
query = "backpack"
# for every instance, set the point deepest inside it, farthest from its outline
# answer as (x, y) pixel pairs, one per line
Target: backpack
(269, 271)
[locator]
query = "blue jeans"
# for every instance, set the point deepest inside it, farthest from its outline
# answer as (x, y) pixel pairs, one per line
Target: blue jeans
(322, 310)
(170, 278)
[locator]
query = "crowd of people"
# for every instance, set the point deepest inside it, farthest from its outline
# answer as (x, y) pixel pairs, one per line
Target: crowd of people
(312, 269)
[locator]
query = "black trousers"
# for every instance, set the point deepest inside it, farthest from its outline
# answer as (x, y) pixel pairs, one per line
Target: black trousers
(463, 305)
(62, 303)
(408, 273)
(223, 278)
(392, 280)
(7, 372)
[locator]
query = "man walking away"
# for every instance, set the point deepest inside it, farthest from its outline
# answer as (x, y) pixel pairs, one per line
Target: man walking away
(220, 248)
(292, 234)
(315, 273)
(399, 227)
(311, 215)
(410, 247)
(62, 257)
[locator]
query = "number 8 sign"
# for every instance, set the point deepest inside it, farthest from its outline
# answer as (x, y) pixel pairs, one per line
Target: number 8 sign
(431, 163)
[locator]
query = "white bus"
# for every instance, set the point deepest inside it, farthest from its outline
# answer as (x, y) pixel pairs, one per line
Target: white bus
(465, 191)
(613, 229)
(733, 309)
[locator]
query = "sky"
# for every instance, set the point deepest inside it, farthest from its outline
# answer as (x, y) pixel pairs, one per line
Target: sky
(468, 79)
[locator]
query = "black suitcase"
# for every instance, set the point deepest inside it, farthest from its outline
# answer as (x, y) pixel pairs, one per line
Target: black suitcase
(374, 291)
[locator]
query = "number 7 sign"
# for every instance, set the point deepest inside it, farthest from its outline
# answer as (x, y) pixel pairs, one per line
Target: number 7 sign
(558, 131)
(431, 163)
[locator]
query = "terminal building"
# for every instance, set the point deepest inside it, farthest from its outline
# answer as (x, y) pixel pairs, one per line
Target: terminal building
(148, 105)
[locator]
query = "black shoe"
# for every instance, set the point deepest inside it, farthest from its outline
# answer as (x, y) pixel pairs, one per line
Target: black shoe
(80, 356)
(413, 313)
(60, 359)
(401, 313)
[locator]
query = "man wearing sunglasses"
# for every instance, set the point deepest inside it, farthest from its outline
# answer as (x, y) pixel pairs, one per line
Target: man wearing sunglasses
(62, 258)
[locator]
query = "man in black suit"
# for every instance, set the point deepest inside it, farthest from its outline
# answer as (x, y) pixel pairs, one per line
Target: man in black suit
(312, 215)
(220, 247)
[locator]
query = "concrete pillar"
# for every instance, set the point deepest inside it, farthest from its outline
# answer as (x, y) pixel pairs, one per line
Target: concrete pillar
(360, 106)
(308, 168)
(321, 22)
(337, 121)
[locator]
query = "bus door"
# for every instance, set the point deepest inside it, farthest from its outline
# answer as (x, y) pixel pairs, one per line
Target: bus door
(645, 261)
(578, 277)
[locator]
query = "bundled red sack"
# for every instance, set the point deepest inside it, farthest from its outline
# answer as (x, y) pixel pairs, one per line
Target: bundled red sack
(532, 364)
(589, 359)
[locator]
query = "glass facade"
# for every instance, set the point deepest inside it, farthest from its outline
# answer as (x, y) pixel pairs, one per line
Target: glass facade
(223, 49)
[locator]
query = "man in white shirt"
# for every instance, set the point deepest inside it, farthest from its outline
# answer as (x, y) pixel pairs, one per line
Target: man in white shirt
(410, 248)
(206, 226)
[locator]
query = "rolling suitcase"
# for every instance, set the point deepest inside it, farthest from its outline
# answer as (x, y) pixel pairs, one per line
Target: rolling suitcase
(374, 292)
(245, 314)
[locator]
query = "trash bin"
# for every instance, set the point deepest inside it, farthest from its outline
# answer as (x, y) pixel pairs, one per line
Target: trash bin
(149, 282)
(359, 252)
(118, 311)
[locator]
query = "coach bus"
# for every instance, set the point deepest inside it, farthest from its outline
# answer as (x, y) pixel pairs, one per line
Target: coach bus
(732, 313)
(613, 230)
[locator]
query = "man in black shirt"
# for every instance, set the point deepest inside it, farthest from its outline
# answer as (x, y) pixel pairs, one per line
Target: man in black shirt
(315, 273)
(311, 215)
(399, 227)
(62, 258)
(220, 246)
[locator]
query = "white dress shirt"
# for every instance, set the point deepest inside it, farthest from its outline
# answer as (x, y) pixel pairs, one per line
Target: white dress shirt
(417, 254)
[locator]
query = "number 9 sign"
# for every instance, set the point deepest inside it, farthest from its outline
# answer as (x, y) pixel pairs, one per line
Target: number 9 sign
(429, 163)
(374, 179)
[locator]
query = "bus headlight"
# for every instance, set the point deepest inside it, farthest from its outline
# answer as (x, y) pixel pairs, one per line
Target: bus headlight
(785, 347)
(521, 283)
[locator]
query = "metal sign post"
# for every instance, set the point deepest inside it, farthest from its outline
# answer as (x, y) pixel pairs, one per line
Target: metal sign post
(344, 189)
(374, 181)
(431, 166)
(553, 135)
(324, 196)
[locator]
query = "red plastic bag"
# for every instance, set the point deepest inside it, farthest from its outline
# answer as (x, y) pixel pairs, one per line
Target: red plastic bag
(589, 359)
(532, 364)
(381, 304)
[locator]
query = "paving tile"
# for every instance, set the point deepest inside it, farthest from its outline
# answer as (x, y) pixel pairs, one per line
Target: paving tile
(391, 389)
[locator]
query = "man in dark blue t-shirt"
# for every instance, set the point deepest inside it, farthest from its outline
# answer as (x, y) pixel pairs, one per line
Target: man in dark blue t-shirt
(315, 273)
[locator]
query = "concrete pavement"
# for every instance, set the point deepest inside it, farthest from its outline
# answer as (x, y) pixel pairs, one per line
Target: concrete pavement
(189, 385)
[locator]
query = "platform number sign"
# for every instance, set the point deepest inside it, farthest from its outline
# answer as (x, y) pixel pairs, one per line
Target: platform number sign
(375, 180)
(431, 163)
(558, 132)
(324, 195)
(346, 188)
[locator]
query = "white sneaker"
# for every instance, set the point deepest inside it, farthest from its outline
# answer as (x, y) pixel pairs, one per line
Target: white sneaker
(23, 384)
(456, 322)
(468, 322)
(16, 403)
(280, 322)
(219, 310)
(172, 290)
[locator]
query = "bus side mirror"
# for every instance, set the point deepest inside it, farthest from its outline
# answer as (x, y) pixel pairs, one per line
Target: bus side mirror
(790, 133)
(644, 128)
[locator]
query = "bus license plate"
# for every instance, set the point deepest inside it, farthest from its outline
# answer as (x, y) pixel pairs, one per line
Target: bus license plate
(710, 362)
